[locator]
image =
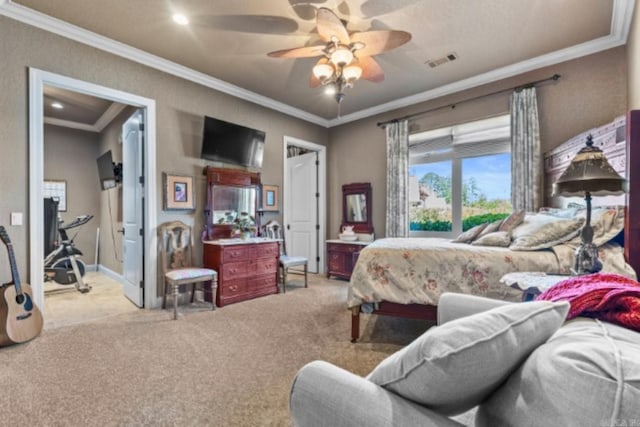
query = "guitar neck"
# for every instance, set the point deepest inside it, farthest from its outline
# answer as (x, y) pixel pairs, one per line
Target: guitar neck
(14, 269)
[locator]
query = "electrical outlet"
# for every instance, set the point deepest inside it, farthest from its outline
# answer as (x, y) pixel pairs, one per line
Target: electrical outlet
(16, 218)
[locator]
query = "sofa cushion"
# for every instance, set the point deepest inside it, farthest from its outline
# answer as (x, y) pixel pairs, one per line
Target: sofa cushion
(453, 367)
(587, 373)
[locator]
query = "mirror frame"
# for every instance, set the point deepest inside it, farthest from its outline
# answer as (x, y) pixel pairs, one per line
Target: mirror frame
(357, 188)
(228, 178)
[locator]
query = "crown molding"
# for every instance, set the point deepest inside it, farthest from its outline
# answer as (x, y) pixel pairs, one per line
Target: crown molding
(64, 29)
(620, 25)
(622, 15)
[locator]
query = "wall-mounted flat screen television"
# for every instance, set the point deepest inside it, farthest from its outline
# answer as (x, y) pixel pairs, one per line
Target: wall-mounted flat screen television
(110, 174)
(232, 143)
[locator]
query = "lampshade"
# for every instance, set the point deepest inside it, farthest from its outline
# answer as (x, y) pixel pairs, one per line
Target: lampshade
(341, 56)
(352, 73)
(323, 71)
(589, 171)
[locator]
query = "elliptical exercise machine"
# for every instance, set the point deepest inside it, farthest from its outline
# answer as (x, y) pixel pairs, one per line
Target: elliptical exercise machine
(63, 264)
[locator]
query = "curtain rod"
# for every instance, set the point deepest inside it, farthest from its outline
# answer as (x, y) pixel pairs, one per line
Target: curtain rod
(453, 105)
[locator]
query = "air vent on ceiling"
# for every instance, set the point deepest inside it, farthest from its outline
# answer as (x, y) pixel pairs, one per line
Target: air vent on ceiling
(433, 63)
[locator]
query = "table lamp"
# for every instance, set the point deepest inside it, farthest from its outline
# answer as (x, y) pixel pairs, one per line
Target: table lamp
(589, 174)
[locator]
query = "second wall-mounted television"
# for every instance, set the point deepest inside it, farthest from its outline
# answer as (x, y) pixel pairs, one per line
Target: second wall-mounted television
(110, 173)
(232, 143)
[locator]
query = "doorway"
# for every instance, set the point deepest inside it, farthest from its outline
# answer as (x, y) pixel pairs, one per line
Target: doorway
(304, 190)
(38, 79)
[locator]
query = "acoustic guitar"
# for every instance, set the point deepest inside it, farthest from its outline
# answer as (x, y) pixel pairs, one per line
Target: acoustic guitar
(20, 319)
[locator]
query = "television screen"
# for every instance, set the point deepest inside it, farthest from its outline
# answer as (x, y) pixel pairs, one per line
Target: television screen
(231, 143)
(106, 171)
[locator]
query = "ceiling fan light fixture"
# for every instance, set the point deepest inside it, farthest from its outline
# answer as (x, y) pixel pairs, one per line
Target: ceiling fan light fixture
(352, 73)
(330, 90)
(323, 71)
(341, 56)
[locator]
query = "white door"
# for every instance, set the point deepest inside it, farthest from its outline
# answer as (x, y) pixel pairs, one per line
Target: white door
(132, 208)
(301, 233)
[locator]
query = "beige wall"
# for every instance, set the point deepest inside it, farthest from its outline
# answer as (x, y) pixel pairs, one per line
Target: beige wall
(70, 155)
(591, 92)
(180, 105)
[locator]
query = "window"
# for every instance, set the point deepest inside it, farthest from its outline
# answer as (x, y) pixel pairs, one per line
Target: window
(459, 176)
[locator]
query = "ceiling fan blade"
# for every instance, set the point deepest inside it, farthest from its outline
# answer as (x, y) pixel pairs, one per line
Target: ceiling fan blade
(330, 25)
(298, 52)
(371, 70)
(376, 42)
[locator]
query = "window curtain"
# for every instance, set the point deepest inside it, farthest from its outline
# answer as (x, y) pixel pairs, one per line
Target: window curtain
(397, 224)
(526, 166)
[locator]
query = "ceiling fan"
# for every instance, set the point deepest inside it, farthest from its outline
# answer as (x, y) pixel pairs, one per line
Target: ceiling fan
(345, 57)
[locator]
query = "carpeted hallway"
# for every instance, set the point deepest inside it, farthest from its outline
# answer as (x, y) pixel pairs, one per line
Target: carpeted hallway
(229, 367)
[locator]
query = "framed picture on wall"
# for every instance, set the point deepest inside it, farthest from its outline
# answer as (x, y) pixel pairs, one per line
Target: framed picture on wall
(270, 197)
(178, 192)
(56, 189)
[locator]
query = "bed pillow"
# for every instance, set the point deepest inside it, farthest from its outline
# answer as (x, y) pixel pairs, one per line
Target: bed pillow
(497, 238)
(491, 227)
(539, 231)
(453, 367)
(471, 234)
(512, 221)
(607, 223)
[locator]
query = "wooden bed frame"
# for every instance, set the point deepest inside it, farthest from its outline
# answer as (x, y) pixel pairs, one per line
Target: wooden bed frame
(620, 141)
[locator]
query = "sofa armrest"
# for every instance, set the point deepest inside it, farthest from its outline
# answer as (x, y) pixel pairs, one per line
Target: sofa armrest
(323, 394)
(453, 306)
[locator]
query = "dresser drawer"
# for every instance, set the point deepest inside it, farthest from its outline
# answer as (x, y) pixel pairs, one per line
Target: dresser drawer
(266, 266)
(344, 248)
(238, 253)
(233, 287)
(237, 270)
(262, 282)
(268, 250)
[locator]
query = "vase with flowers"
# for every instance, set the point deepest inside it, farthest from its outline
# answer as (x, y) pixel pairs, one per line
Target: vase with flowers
(244, 226)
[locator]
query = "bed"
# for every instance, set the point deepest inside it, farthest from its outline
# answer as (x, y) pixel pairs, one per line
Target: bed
(405, 276)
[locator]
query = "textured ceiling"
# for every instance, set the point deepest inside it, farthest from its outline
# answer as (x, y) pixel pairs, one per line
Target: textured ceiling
(229, 40)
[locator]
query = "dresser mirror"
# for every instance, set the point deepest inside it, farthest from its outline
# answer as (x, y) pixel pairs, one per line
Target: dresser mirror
(356, 207)
(230, 192)
(230, 201)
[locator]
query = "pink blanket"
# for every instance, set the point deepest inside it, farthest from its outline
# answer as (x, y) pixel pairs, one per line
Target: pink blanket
(604, 296)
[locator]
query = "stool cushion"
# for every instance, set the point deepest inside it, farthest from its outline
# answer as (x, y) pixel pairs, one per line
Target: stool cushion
(292, 260)
(189, 273)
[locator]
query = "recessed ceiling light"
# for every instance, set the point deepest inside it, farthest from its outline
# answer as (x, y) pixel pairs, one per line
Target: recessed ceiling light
(180, 19)
(57, 105)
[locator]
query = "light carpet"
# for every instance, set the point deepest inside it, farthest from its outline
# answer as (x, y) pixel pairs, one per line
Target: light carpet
(229, 367)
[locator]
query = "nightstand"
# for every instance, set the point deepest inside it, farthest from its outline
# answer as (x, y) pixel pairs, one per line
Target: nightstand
(531, 283)
(342, 257)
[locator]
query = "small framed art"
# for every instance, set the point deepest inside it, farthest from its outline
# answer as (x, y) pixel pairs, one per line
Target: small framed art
(178, 192)
(270, 197)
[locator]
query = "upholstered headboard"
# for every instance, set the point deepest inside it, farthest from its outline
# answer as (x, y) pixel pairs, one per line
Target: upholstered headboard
(619, 142)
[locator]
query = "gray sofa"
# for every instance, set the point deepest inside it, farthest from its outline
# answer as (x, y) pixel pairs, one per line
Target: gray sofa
(487, 363)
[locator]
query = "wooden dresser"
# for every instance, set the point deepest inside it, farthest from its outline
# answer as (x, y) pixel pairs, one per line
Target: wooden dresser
(246, 268)
(342, 257)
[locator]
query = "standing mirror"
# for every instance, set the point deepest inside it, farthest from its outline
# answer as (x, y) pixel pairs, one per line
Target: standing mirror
(356, 207)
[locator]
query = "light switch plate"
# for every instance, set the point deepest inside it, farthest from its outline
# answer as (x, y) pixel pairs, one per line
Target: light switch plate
(16, 218)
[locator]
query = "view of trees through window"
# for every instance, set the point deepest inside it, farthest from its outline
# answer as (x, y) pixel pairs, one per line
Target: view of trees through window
(485, 192)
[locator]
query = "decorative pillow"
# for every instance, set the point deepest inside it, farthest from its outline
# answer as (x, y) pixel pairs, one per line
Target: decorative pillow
(497, 238)
(492, 227)
(559, 212)
(539, 231)
(585, 374)
(607, 223)
(470, 235)
(512, 221)
(453, 367)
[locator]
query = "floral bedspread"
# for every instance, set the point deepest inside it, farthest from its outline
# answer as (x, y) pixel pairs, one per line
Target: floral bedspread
(419, 270)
